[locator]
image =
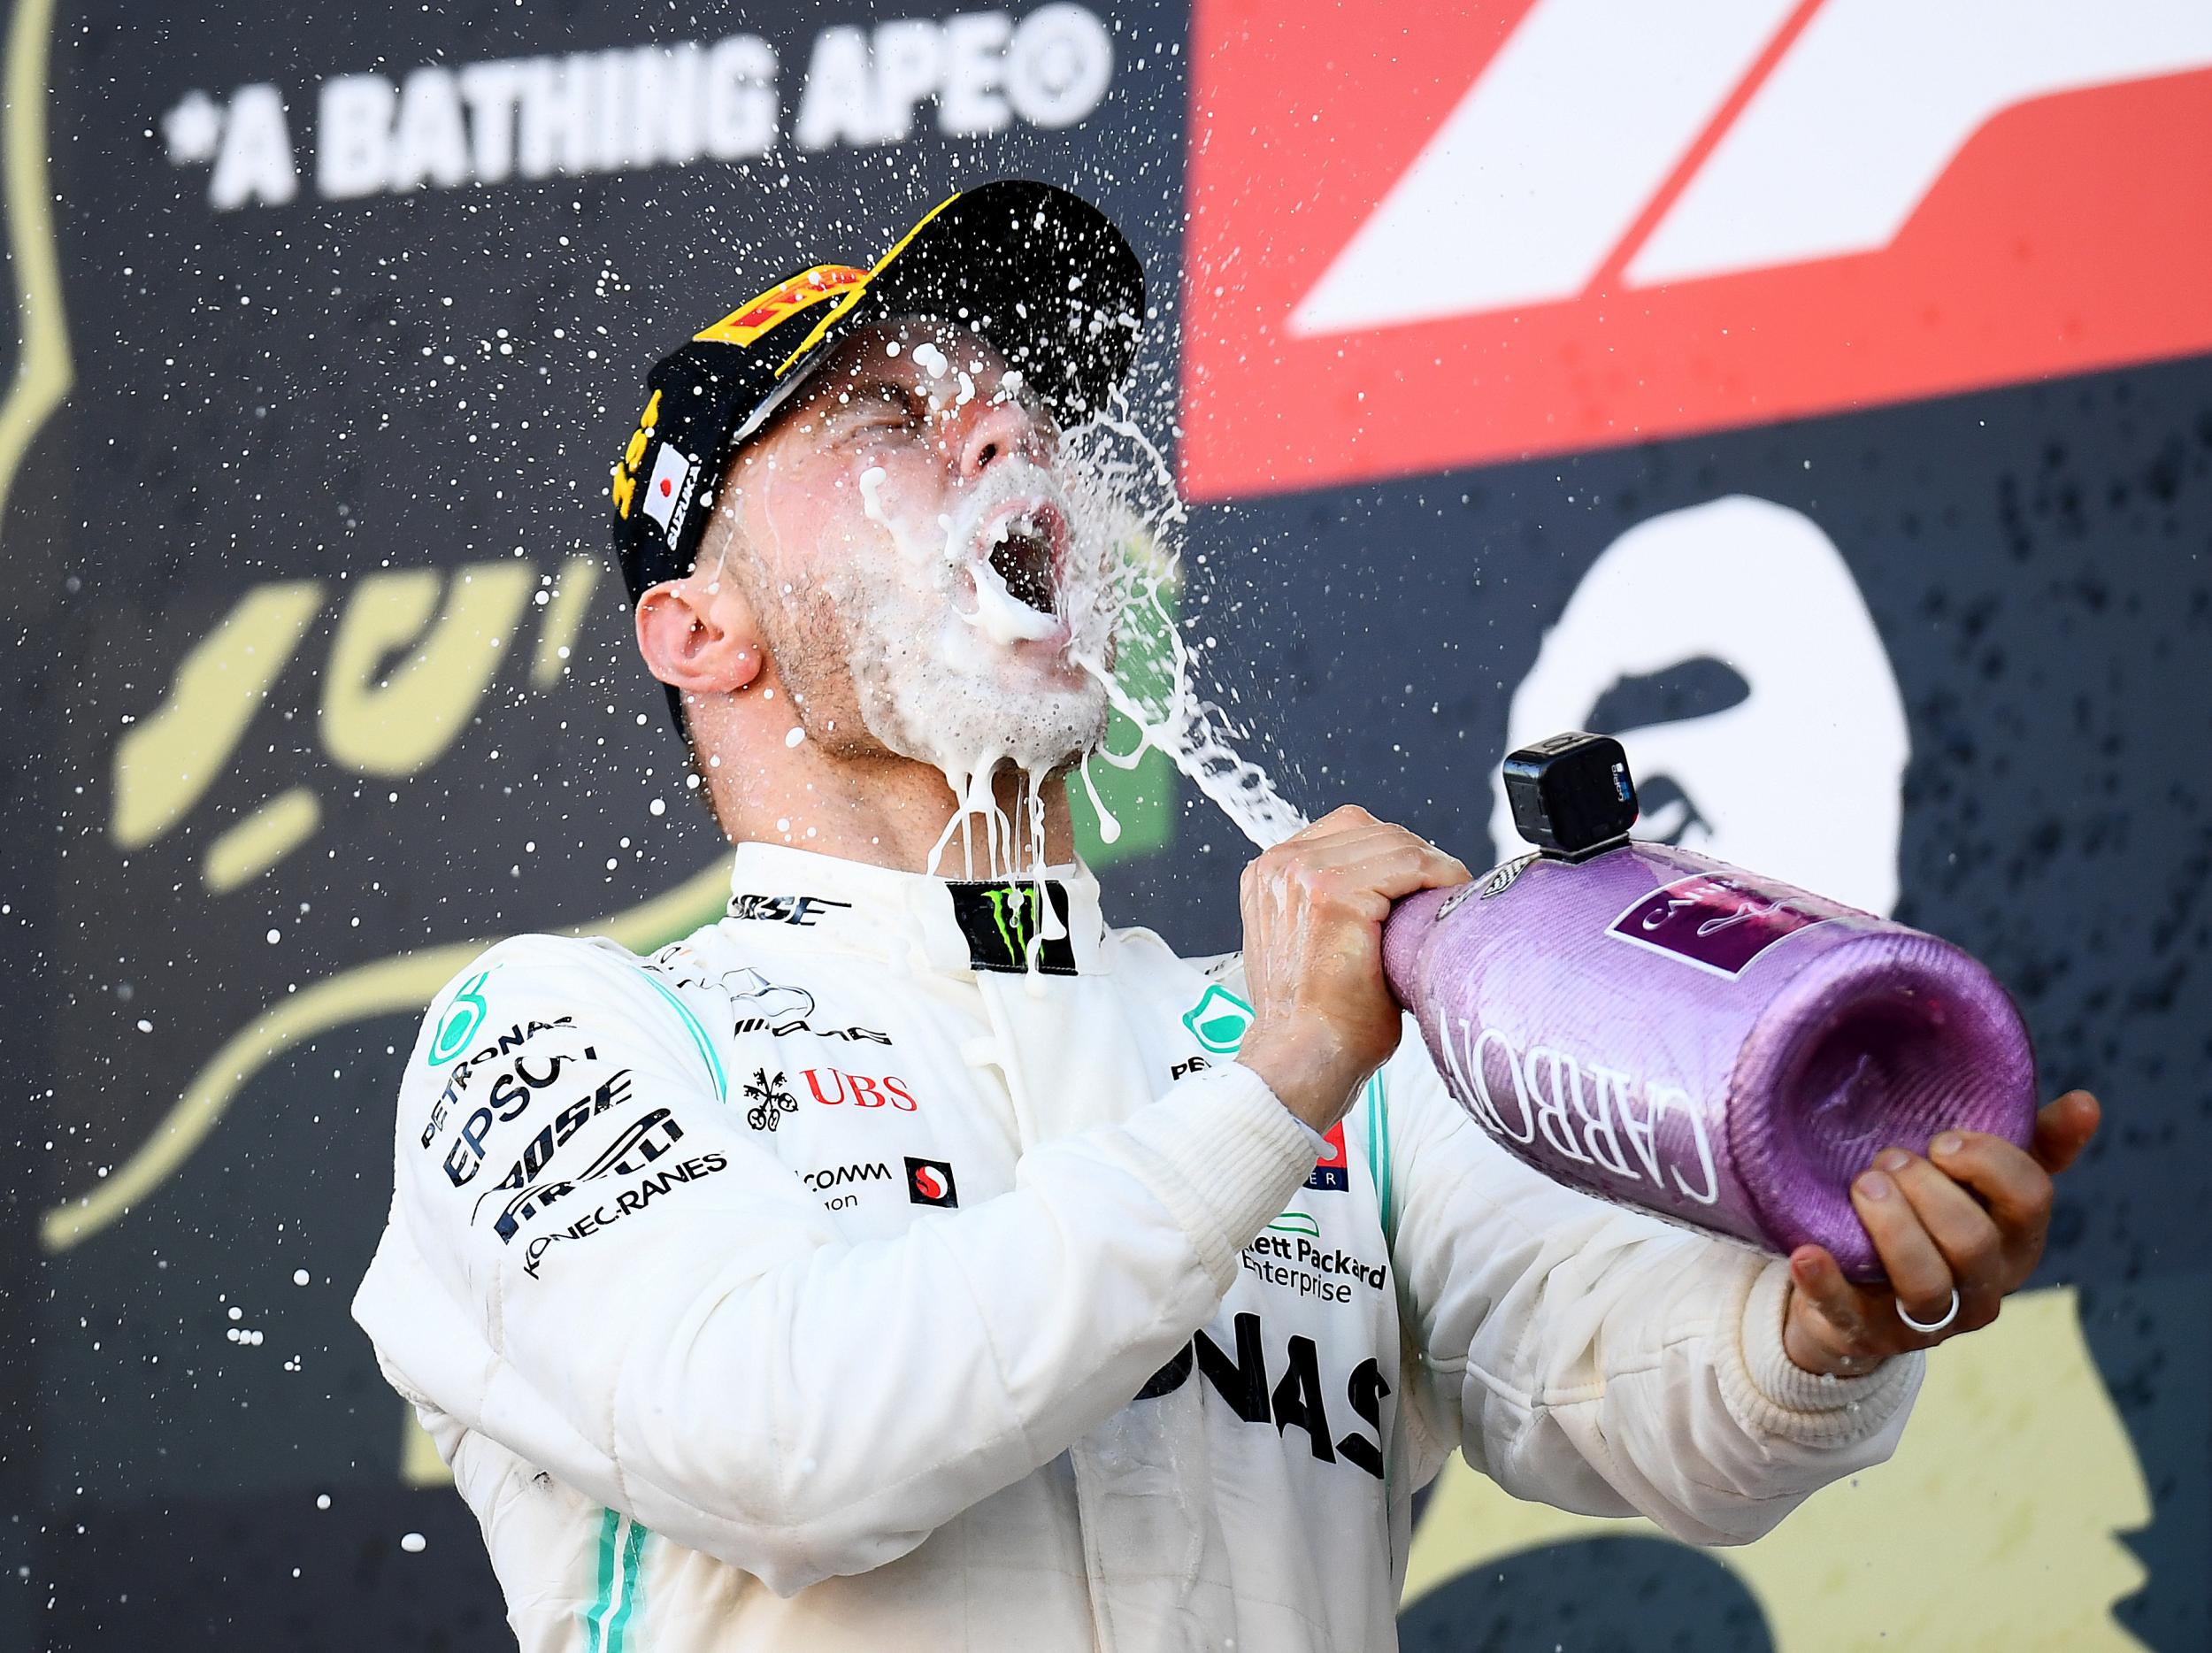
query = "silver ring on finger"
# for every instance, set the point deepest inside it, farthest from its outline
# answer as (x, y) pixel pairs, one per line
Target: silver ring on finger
(1929, 1328)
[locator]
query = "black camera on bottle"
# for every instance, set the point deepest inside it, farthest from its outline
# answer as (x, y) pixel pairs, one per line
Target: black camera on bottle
(1571, 795)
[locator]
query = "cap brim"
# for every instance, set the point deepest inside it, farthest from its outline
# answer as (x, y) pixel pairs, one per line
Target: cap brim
(1042, 275)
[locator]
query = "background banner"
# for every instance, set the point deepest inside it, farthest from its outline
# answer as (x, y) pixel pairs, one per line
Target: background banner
(1814, 395)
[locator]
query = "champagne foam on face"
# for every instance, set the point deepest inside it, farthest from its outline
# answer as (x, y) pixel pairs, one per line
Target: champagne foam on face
(944, 657)
(934, 632)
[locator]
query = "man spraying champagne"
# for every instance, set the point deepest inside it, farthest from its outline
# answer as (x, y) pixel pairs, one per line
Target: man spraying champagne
(1032, 1286)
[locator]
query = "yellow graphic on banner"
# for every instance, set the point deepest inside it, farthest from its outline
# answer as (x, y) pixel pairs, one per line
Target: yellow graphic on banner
(263, 839)
(420, 1464)
(563, 620)
(41, 365)
(415, 652)
(166, 761)
(389, 720)
(403, 984)
(1991, 1531)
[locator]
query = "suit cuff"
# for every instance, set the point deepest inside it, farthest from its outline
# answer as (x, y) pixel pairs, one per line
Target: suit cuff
(1225, 1156)
(1769, 1393)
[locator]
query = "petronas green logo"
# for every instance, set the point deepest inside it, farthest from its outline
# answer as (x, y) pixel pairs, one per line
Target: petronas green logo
(463, 1017)
(1218, 1019)
(1014, 909)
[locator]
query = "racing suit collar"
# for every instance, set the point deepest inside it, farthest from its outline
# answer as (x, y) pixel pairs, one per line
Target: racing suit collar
(825, 902)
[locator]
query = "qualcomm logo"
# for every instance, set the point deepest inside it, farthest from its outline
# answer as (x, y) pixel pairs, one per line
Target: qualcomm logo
(1633, 145)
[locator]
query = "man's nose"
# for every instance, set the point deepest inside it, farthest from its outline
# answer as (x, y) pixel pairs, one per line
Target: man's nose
(995, 430)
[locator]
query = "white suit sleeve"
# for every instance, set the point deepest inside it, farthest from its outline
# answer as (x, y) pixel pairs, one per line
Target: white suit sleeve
(1590, 1357)
(700, 1348)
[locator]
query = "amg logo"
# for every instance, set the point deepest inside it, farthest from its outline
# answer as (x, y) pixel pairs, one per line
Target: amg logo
(761, 1024)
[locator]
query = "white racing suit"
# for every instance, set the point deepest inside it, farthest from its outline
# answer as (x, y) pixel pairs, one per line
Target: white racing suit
(827, 1282)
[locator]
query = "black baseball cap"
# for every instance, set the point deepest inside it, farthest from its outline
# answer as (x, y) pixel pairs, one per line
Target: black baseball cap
(1042, 274)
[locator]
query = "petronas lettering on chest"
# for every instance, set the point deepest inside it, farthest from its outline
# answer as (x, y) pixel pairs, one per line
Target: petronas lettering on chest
(1289, 1392)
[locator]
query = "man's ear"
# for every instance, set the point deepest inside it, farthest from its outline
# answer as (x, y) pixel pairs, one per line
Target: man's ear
(699, 635)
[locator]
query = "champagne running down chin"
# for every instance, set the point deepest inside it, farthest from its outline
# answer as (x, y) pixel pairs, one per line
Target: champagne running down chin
(988, 643)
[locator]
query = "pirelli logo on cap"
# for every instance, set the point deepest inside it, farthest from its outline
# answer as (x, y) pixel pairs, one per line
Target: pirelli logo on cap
(625, 488)
(780, 302)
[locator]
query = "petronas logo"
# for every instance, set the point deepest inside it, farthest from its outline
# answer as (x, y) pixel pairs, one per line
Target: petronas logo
(1218, 1019)
(463, 1017)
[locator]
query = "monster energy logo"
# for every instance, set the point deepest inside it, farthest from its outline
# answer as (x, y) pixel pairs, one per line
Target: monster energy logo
(1014, 910)
(1005, 929)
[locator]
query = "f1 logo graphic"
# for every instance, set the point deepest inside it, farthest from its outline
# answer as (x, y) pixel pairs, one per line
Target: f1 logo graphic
(1555, 224)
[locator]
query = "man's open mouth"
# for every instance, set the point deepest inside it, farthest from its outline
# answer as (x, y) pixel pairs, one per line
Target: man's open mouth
(1024, 549)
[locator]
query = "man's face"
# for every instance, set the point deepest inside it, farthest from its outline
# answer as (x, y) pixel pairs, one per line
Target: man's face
(926, 580)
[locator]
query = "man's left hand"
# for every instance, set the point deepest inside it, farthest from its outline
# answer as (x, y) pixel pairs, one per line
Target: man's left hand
(1971, 1216)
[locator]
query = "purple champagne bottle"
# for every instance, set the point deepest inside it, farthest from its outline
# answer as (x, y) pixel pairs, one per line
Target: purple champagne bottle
(1661, 1029)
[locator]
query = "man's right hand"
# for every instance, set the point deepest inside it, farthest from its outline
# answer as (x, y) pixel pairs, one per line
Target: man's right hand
(1323, 1018)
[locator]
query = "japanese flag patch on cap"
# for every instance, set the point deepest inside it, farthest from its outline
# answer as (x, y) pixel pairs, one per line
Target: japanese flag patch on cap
(668, 490)
(1042, 275)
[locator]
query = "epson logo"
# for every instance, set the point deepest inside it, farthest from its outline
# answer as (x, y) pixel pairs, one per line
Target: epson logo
(510, 1094)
